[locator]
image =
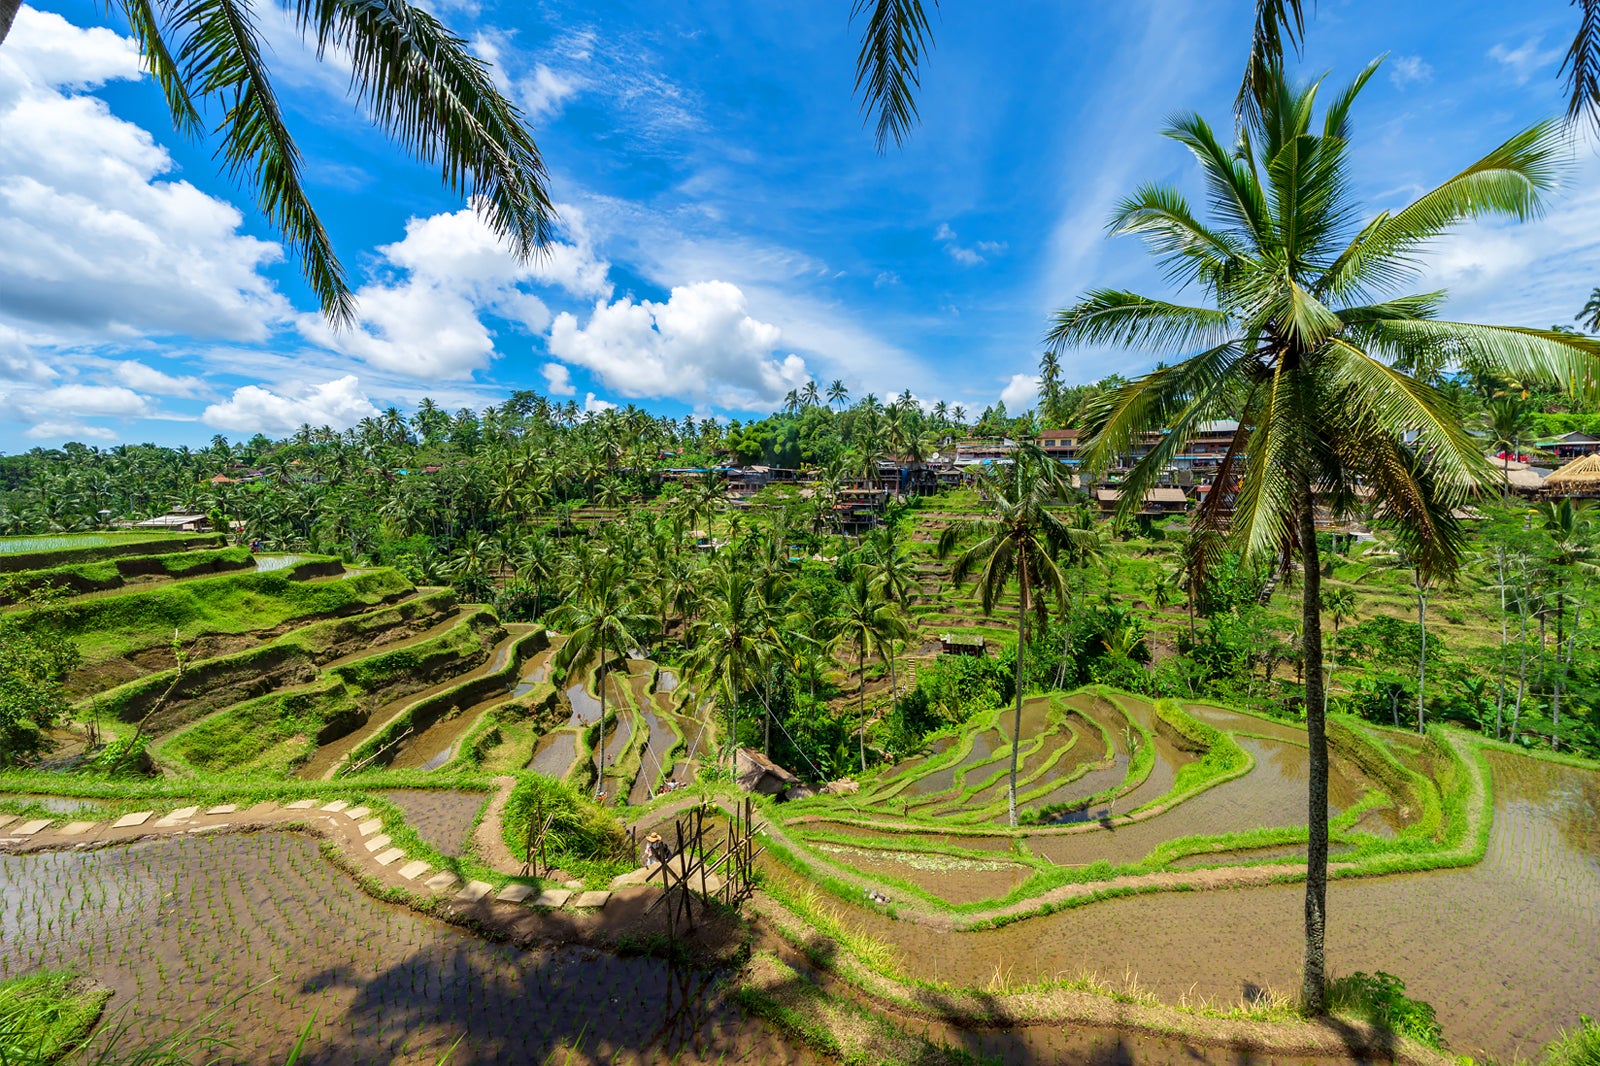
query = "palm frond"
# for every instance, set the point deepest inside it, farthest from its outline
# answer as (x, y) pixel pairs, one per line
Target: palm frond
(432, 95)
(222, 57)
(147, 30)
(897, 34)
(1184, 391)
(1235, 190)
(1582, 65)
(1566, 360)
(1276, 21)
(1510, 181)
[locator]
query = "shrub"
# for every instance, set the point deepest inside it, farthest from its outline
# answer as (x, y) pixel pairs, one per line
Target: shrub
(1381, 999)
(1576, 1047)
(584, 838)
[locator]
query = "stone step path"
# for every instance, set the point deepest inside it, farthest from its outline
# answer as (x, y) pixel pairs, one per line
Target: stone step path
(337, 818)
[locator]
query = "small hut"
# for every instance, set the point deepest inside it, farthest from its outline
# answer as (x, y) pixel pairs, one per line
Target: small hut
(757, 773)
(1581, 477)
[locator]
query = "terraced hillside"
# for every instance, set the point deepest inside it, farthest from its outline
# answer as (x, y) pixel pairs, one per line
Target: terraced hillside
(421, 739)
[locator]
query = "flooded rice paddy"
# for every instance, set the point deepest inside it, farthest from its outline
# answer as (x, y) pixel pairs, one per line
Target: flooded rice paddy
(1507, 952)
(554, 754)
(442, 819)
(181, 925)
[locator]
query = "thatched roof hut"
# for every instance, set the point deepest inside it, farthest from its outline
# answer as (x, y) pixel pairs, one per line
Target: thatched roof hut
(1579, 477)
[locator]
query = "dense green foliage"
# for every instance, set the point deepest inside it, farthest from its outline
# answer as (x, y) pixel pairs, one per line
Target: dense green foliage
(45, 1015)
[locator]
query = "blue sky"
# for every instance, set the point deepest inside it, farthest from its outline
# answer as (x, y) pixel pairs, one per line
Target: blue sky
(728, 228)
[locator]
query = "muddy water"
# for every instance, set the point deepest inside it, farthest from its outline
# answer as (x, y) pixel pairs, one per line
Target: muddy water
(1273, 794)
(180, 926)
(585, 708)
(909, 840)
(911, 765)
(954, 879)
(554, 754)
(662, 740)
(984, 745)
(536, 670)
(1507, 952)
(436, 745)
(443, 819)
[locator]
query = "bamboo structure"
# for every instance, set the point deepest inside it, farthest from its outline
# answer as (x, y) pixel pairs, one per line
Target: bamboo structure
(688, 874)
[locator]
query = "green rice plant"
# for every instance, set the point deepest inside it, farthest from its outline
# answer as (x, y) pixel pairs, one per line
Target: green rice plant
(45, 1015)
(1575, 1047)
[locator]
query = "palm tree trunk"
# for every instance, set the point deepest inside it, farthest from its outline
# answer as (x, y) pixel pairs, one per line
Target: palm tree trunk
(600, 782)
(861, 667)
(1315, 987)
(1522, 665)
(1500, 701)
(1016, 727)
(1561, 631)
(8, 12)
(1422, 660)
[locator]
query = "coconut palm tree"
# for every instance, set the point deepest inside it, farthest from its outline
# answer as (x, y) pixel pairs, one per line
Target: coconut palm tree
(837, 393)
(421, 84)
(1020, 539)
(1301, 343)
(864, 618)
(1341, 607)
(603, 621)
(1572, 548)
(1510, 424)
(810, 395)
(731, 648)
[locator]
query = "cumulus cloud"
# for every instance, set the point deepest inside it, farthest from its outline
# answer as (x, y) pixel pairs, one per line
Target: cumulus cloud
(967, 255)
(447, 273)
(558, 380)
(1020, 393)
(136, 375)
(1405, 70)
(593, 405)
(701, 345)
(17, 360)
(86, 400)
(97, 246)
(339, 403)
(1525, 60)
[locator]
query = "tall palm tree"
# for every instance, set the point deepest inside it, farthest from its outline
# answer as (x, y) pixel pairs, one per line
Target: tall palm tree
(1510, 423)
(1341, 607)
(864, 617)
(731, 646)
(1019, 540)
(1299, 343)
(603, 621)
(1566, 525)
(837, 393)
(421, 84)
(810, 395)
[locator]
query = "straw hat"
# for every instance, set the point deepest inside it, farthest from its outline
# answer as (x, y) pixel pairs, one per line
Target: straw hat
(653, 838)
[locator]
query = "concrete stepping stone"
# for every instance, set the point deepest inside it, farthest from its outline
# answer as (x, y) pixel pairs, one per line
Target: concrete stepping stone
(442, 882)
(474, 891)
(355, 814)
(335, 807)
(413, 870)
(223, 808)
(7, 819)
(514, 893)
(370, 826)
(390, 857)
(300, 805)
(76, 829)
(595, 899)
(182, 814)
(128, 821)
(27, 829)
(378, 843)
(554, 898)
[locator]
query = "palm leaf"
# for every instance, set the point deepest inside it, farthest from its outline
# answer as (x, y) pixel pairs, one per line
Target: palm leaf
(1582, 65)
(892, 44)
(222, 57)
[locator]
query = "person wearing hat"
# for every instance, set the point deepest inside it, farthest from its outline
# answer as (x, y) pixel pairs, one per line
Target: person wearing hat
(655, 850)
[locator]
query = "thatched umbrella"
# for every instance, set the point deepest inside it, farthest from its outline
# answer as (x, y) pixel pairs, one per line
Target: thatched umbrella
(1582, 475)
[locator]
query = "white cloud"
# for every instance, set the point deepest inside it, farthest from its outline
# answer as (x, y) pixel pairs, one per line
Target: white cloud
(96, 247)
(1525, 60)
(965, 255)
(18, 361)
(701, 345)
(593, 405)
(85, 400)
(453, 271)
(136, 375)
(558, 380)
(339, 403)
(885, 277)
(1405, 70)
(544, 92)
(69, 431)
(1021, 393)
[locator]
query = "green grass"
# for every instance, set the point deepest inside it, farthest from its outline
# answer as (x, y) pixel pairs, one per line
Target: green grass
(45, 1015)
(272, 734)
(37, 553)
(228, 604)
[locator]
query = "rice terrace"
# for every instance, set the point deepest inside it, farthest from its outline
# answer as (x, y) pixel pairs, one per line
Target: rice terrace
(1231, 698)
